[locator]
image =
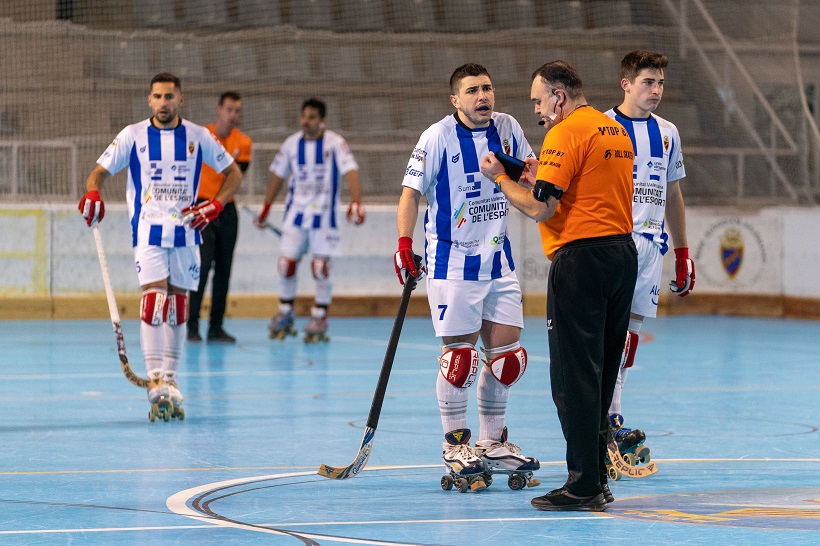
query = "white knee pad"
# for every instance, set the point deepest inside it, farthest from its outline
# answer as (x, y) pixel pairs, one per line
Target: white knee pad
(154, 306)
(459, 364)
(509, 367)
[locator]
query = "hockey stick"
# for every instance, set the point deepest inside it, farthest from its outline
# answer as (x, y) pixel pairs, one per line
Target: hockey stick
(268, 225)
(115, 316)
(344, 472)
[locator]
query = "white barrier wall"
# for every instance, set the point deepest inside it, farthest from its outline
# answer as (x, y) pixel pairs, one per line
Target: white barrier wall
(50, 251)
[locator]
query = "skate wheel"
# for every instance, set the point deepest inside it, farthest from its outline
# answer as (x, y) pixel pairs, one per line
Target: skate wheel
(488, 478)
(151, 415)
(629, 458)
(613, 473)
(516, 482)
(478, 484)
(642, 454)
(446, 482)
(463, 485)
(180, 414)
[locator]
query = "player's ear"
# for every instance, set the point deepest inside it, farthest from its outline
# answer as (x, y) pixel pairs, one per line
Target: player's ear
(454, 101)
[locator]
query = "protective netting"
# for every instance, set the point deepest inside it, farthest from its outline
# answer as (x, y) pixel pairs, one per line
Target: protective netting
(77, 71)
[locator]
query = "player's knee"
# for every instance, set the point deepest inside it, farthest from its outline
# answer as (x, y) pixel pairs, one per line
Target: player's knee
(177, 309)
(320, 267)
(630, 347)
(287, 267)
(509, 367)
(459, 364)
(154, 306)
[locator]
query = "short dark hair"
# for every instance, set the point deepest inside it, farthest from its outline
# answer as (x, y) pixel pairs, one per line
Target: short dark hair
(465, 70)
(641, 59)
(232, 95)
(317, 104)
(166, 77)
(562, 75)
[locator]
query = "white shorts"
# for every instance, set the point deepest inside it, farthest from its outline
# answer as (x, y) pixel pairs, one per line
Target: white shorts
(178, 264)
(458, 307)
(321, 241)
(650, 267)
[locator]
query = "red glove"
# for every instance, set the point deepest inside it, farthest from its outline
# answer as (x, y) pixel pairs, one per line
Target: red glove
(405, 260)
(92, 207)
(684, 273)
(355, 213)
(202, 214)
(262, 219)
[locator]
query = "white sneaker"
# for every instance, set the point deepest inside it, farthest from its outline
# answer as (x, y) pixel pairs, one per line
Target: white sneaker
(173, 389)
(159, 391)
(459, 458)
(505, 456)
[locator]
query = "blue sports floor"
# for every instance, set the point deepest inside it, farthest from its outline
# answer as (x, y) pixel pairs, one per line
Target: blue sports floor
(731, 407)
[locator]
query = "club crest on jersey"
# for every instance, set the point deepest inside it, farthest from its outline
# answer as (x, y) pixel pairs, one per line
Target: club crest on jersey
(191, 147)
(731, 251)
(506, 146)
(665, 143)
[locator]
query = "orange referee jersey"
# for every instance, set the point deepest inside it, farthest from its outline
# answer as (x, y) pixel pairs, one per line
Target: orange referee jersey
(238, 144)
(590, 155)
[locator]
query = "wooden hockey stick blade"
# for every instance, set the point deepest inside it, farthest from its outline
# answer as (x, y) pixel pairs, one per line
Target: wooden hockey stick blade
(268, 225)
(626, 469)
(129, 373)
(344, 472)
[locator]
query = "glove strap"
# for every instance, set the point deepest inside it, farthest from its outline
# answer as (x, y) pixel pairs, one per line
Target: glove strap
(682, 253)
(405, 243)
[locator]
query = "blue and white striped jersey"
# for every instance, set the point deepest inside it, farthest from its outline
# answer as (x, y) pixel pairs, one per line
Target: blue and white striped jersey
(658, 161)
(466, 220)
(163, 177)
(314, 169)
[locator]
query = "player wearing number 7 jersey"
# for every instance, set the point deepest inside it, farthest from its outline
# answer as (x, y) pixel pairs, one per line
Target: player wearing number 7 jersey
(657, 205)
(164, 156)
(472, 286)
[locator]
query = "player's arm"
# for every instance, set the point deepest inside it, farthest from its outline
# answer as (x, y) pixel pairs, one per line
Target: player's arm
(231, 182)
(406, 216)
(91, 205)
(274, 185)
(676, 215)
(520, 197)
(355, 211)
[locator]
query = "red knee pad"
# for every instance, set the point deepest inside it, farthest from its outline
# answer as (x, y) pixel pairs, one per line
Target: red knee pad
(177, 309)
(509, 367)
(630, 347)
(154, 306)
(459, 366)
(320, 267)
(287, 267)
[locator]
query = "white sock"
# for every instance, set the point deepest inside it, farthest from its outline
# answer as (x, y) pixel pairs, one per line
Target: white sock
(152, 339)
(492, 397)
(287, 287)
(174, 343)
(452, 403)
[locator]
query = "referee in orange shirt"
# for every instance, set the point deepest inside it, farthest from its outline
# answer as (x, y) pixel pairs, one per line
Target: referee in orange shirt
(219, 238)
(581, 196)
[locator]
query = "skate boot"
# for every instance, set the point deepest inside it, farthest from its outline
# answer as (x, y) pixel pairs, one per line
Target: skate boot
(630, 441)
(159, 398)
(503, 457)
(316, 329)
(465, 469)
(170, 380)
(281, 325)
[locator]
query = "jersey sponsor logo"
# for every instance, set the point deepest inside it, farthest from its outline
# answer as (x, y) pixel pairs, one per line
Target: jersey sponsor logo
(410, 171)
(466, 244)
(611, 130)
(456, 157)
(487, 210)
(419, 154)
(498, 239)
(654, 292)
(458, 216)
(142, 149)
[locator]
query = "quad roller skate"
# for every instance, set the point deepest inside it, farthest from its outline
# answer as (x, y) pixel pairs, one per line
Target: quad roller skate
(316, 329)
(465, 469)
(630, 447)
(177, 411)
(504, 457)
(281, 325)
(160, 400)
